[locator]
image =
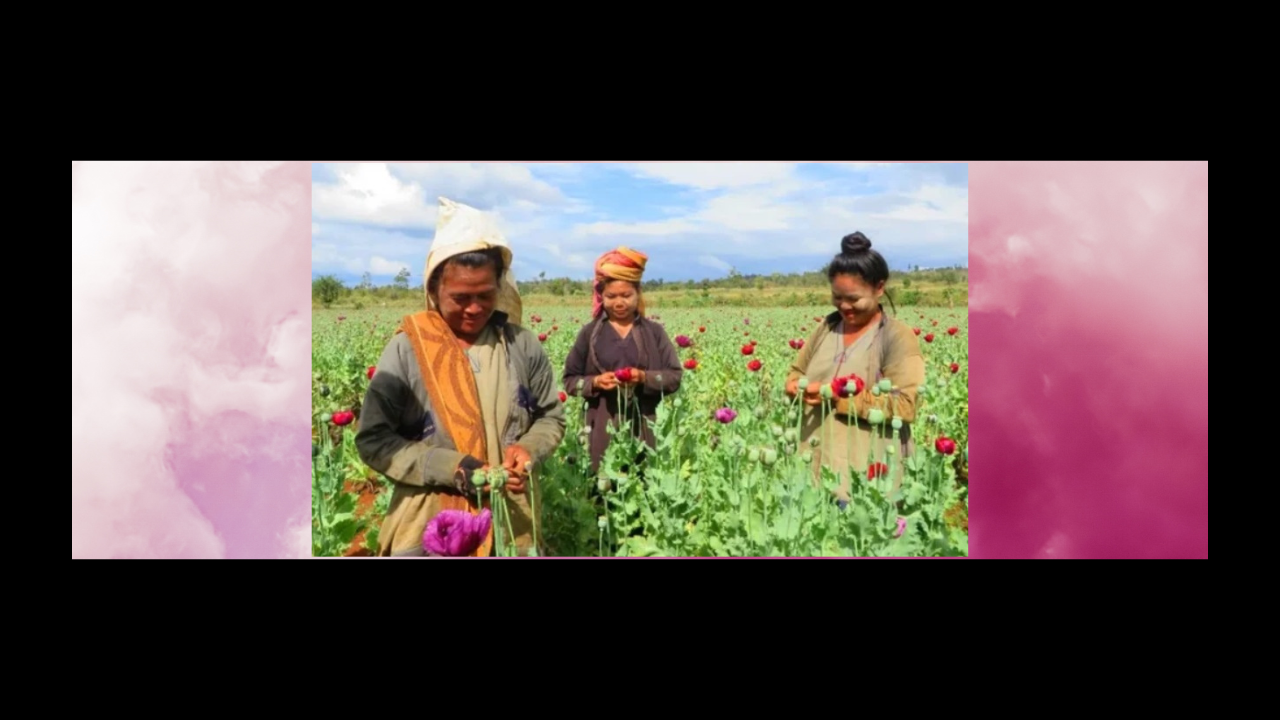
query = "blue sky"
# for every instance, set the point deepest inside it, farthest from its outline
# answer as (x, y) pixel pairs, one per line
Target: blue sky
(694, 219)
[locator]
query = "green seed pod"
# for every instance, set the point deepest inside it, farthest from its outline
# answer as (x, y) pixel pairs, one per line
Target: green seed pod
(533, 552)
(603, 484)
(602, 522)
(768, 456)
(813, 441)
(324, 391)
(326, 418)
(891, 449)
(897, 423)
(875, 416)
(759, 412)
(875, 390)
(479, 478)
(825, 392)
(790, 435)
(679, 403)
(776, 430)
(886, 385)
(806, 456)
(803, 383)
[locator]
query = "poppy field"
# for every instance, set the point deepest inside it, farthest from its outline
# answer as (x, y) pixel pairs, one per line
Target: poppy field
(729, 476)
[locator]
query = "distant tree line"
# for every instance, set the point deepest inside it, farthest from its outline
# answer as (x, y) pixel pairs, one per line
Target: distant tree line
(912, 286)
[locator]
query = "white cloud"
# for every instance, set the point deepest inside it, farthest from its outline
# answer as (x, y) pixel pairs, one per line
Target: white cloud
(714, 175)
(712, 261)
(369, 193)
(383, 266)
(658, 227)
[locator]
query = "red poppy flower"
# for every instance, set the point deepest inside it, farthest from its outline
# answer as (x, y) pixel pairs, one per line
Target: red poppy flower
(915, 330)
(343, 418)
(945, 445)
(754, 365)
(563, 397)
(928, 338)
(702, 328)
(542, 337)
(955, 368)
(953, 330)
(370, 371)
(690, 364)
(748, 349)
(877, 470)
(624, 375)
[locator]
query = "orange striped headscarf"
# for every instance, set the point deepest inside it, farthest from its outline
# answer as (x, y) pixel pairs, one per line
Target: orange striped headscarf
(620, 264)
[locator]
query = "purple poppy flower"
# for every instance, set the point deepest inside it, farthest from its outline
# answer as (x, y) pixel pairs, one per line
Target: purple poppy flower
(456, 533)
(683, 341)
(726, 415)
(902, 526)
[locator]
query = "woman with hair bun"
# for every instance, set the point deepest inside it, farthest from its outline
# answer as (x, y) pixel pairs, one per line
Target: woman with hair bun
(851, 352)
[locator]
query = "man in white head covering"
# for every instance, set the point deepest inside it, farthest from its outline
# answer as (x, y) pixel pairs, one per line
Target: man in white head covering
(462, 389)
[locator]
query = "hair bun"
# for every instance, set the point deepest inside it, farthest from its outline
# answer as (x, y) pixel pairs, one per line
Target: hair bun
(854, 243)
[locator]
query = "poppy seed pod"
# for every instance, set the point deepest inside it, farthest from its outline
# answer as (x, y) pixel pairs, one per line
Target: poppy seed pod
(875, 416)
(897, 423)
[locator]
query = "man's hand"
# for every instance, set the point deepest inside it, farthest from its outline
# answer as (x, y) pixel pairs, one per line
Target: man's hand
(606, 381)
(514, 460)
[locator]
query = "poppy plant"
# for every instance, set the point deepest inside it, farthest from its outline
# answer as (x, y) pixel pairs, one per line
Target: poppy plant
(343, 417)
(690, 364)
(945, 445)
(748, 349)
(624, 375)
(683, 341)
(953, 330)
(928, 338)
(955, 367)
(726, 415)
(877, 470)
(755, 365)
(456, 533)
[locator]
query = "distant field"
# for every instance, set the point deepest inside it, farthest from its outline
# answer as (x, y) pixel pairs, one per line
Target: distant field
(736, 489)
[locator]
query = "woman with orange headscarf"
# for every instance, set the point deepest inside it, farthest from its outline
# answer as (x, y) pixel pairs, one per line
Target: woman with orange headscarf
(621, 359)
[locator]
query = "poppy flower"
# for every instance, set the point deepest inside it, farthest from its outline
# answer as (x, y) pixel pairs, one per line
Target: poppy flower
(563, 397)
(369, 372)
(955, 367)
(953, 330)
(555, 328)
(456, 533)
(915, 330)
(542, 337)
(748, 349)
(702, 329)
(343, 418)
(755, 365)
(928, 338)
(624, 375)
(725, 415)
(902, 527)
(935, 323)
(877, 470)
(840, 386)
(690, 364)
(945, 445)
(683, 341)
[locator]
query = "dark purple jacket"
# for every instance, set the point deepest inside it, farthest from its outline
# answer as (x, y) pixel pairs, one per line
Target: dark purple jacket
(657, 358)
